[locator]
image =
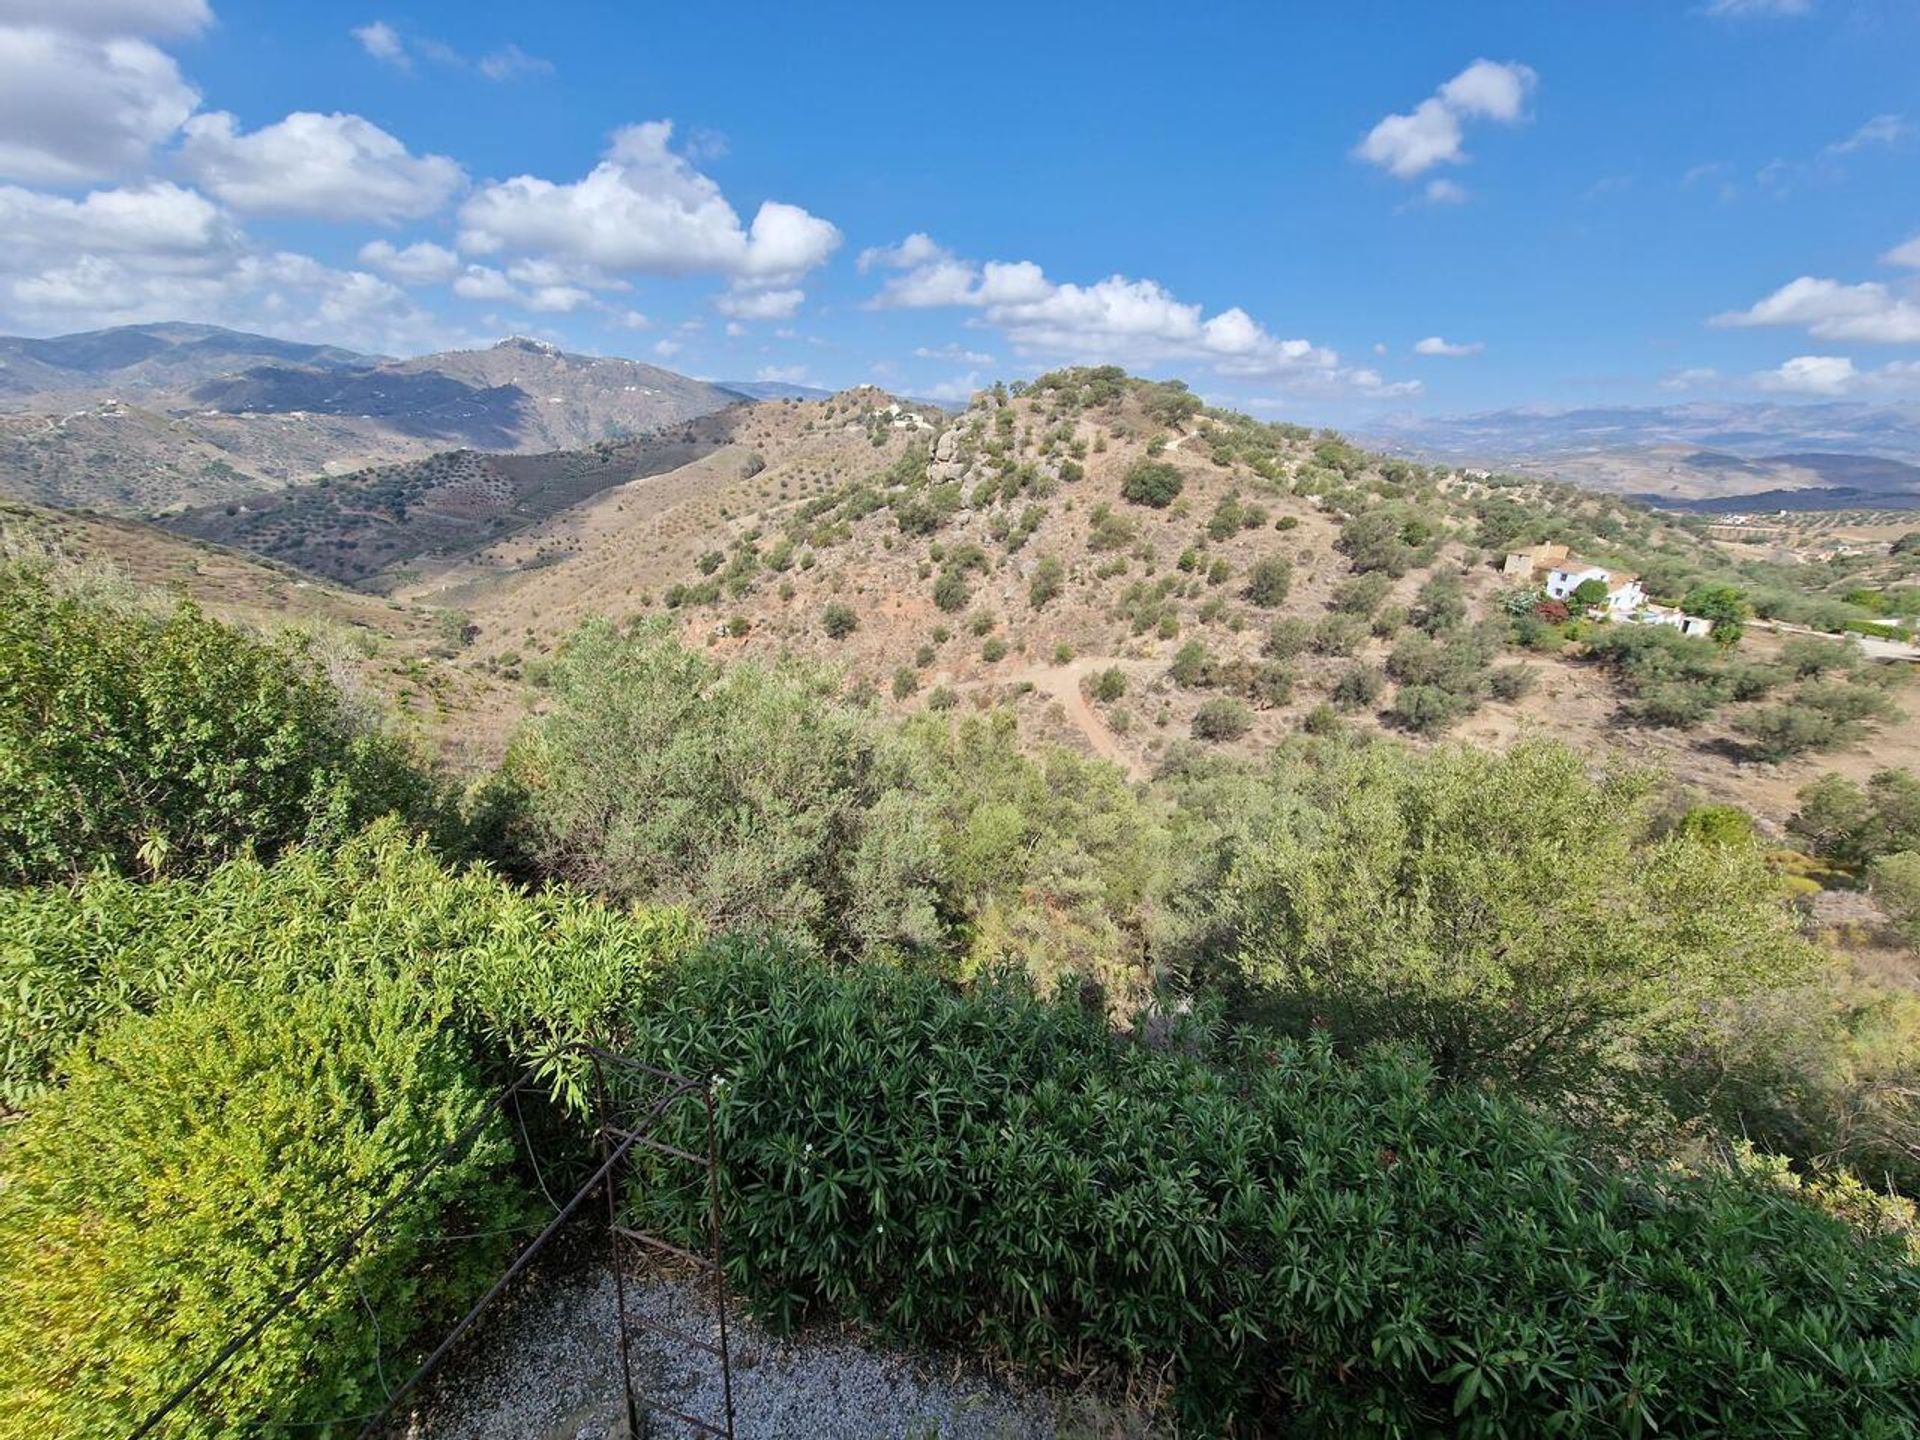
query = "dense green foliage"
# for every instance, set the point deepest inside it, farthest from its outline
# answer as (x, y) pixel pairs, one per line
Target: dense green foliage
(1152, 482)
(1514, 919)
(163, 743)
(524, 971)
(194, 1164)
(1298, 1242)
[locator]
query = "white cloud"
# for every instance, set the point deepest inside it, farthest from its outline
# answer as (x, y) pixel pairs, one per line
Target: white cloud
(1834, 375)
(1499, 92)
(281, 293)
(1434, 345)
(77, 107)
(1445, 192)
(1880, 130)
(960, 387)
(1906, 253)
(483, 282)
(782, 374)
(158, 225)
(761, 304)
(917, 249)
(1431, 133)
(335, 167)
(510, 62)
(645, 209)
(421, 263)
(1691, 379)
(667, 349)
(382, 42)
(111, 17)
(1746, 9)
(1829, 310)
(1119, 320)
(1811, 375)
(954, 352)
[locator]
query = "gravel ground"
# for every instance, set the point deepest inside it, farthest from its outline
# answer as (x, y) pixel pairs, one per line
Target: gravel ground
(547, 1367)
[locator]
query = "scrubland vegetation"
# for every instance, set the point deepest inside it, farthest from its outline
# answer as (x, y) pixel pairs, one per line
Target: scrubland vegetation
(1347, 1085)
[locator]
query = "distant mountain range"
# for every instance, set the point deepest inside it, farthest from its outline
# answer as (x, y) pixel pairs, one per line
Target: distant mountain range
(1818, 456)
(149, 418)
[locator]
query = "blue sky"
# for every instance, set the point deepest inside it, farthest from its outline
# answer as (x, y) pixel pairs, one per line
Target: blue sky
(1569, 203)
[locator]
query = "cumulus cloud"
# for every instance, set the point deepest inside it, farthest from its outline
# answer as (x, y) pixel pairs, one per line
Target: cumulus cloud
(1836, 375)
(111, 17)
(382, 42)
(1120, 320)
(761, 304)
(281, 293)
(483, 282)
(77, 106)
(645, 209)
(421, 263)
(334, 167)
(158, 225)
(1433, 132)
(1434, 345)
(1906, 253)
(1830, 310)
(1445, 192)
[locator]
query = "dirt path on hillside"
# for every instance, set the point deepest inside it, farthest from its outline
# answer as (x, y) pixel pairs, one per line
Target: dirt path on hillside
(1061, 683)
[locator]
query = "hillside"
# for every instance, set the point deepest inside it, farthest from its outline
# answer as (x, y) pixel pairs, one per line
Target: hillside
(1001, 561)
(149, 419)
(395, 651)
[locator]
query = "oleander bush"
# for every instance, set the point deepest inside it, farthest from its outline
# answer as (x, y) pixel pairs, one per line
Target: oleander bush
(1302, 1244)
(196, 1162)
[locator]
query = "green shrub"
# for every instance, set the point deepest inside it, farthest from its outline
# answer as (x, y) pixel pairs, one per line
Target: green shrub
(754, 794)
(167, 744)
(1358, 687)
(994, 651)
(1268, 582)
(1109, 685)
(525, 971)
(839, 621)
(195, 1163)
(950, 591)
(1338, 634)
(1049, 579)
(1512, 682)
(1223, 718)
(1193, 666)
(1300, 1244)
(1287, 637)
(1152, 482)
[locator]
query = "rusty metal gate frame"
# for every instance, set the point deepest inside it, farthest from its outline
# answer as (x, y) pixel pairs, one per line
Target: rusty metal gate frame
(615, 1143)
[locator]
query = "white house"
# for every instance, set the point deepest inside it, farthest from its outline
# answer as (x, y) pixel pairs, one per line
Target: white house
(1625, 593)
(1666, 615)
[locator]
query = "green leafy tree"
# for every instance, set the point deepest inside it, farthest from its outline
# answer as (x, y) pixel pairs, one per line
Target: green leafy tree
(751, 794)
(1222, 718)
(1588, 594)
(1515, 919)
(162, 743)
(1725, 605)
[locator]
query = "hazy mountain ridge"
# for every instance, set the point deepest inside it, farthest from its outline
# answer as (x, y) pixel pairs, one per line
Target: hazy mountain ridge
(1690, 453)
(149, 419)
